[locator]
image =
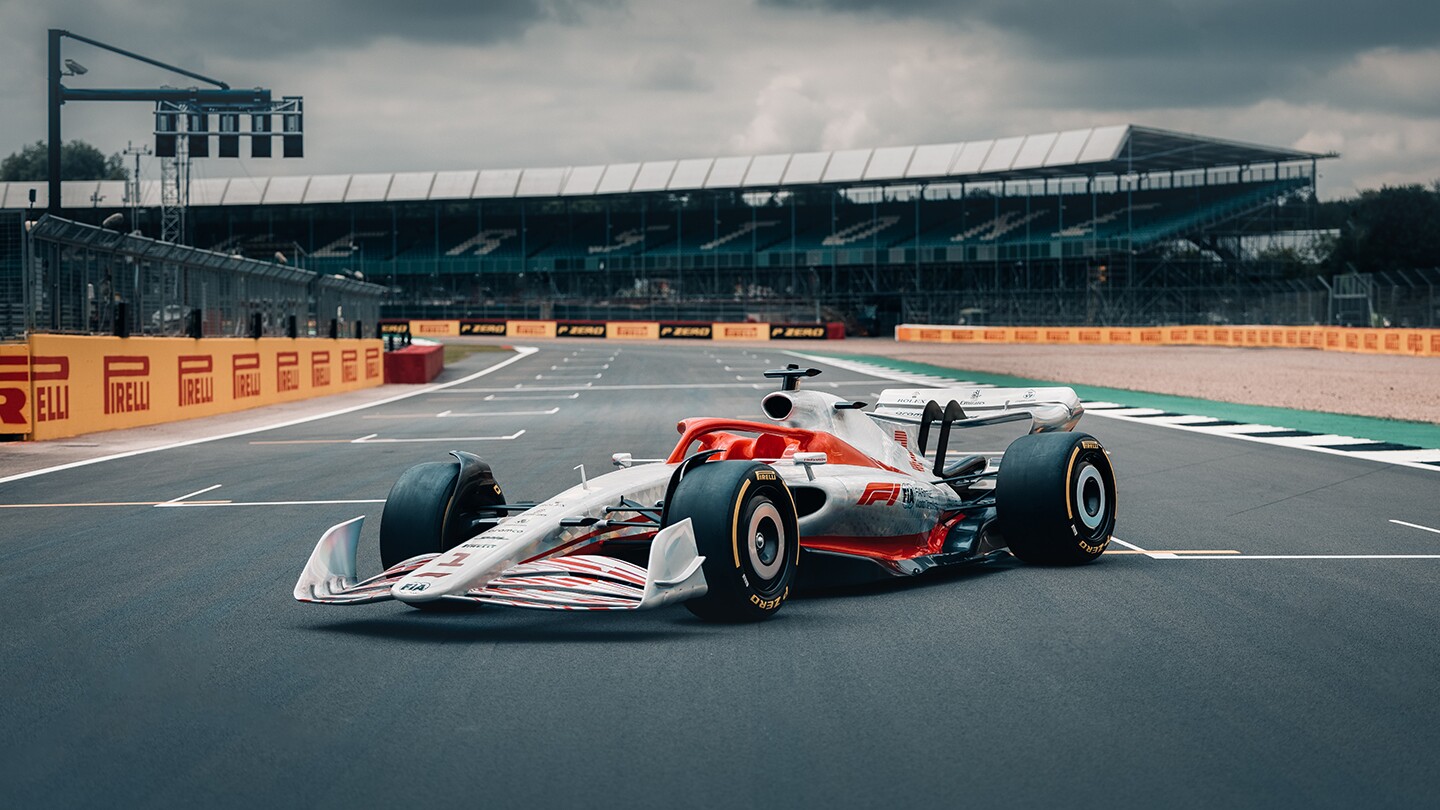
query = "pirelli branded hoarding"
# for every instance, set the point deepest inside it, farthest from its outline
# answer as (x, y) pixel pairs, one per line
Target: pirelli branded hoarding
(530, 329)
(17, 394)
(797, 331)
(433, 329)
(394, 327)
(65, 385)
(632, 330)
(1417, 342)
(495, 328)
(587, 329)
(687, 331)
(740, 331)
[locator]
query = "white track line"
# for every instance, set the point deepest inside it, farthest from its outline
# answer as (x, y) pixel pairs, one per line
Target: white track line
(521, 353)
(1416, 526)
(190, 495)
(452, 414)
(203, 505)
(370, 439)
(493, 398)
(641, 387)
(1305, 557)
(1154, 555)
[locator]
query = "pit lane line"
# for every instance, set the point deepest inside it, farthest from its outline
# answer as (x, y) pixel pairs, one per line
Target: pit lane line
(521, 352)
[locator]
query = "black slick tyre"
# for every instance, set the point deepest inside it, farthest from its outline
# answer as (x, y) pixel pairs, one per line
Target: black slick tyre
(1055, 498)
(745, 528)
(413, 522)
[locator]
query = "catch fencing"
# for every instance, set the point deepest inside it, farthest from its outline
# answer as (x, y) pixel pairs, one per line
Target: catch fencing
(65, 277)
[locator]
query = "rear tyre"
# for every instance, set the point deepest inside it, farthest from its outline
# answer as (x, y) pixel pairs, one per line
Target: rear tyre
(745, 527)
(1055, 498)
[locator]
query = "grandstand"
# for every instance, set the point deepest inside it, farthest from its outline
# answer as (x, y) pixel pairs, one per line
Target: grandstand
(1112, 225)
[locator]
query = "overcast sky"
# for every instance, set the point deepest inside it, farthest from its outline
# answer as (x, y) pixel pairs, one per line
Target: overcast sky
(467, 84)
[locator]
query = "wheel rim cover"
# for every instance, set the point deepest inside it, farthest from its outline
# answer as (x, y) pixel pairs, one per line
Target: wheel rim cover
(765, 540)
(1090, 497)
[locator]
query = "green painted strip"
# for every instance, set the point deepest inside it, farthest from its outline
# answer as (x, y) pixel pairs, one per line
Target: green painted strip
(1420, 434)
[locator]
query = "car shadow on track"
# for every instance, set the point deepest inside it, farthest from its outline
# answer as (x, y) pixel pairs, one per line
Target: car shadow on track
(493, 626)
(841, 588)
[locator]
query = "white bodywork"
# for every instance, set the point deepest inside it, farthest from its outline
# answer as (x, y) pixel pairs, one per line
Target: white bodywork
(523, 561)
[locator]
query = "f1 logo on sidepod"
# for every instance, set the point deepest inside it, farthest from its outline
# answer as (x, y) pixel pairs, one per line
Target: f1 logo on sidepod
(887, 494)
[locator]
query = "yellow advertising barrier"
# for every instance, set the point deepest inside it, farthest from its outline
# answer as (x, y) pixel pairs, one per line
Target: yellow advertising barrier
(81, 384)
(740, 331)
(430, 329)
(632, 330)
(1413, 342)
(530, 329)
(16, 393)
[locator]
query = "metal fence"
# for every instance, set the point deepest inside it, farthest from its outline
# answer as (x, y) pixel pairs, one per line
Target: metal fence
(82, 279)
(12, 280)
(1403, 299)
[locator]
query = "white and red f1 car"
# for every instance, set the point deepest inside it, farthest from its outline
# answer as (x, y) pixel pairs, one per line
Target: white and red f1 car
(723, 523)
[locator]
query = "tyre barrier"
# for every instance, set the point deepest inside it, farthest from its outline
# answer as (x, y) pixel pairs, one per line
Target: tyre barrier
(1409, 342)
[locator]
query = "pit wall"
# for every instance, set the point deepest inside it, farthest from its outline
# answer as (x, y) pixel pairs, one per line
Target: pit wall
(55, 386)
(618, 330)
(1413, 342)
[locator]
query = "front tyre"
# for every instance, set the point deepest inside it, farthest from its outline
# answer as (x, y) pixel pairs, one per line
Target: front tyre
(414, 518)
(745, 527)
(1055, 498)
(436, 506)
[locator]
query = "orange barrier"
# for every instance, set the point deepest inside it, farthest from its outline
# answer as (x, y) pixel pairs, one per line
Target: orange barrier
(65, 385)
(739, 331)
(16, 392)
(1414, 342)
(430, 329)
(635, 330)
(632, 330)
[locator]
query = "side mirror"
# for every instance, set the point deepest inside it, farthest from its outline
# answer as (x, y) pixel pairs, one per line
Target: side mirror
(809, 460)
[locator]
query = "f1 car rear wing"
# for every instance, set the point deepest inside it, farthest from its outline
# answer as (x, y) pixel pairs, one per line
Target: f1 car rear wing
(1051, 409)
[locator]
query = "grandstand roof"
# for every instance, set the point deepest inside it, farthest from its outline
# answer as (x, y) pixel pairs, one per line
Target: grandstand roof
(1074, 153)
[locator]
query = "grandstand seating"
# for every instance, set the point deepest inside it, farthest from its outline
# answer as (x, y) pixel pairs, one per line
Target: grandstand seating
(970, 228)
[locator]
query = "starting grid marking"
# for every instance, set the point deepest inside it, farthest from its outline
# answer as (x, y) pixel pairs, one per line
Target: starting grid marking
(374, 438)
(1404, 455)
(1231, 554)
(520, 394)
(184, 502)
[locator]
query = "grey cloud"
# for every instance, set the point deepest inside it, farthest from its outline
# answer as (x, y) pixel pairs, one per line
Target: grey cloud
(268, 28)
(1266, 30)
(672, 72)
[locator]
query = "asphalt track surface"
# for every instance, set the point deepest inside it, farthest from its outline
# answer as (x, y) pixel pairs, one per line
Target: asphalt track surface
(153, 656)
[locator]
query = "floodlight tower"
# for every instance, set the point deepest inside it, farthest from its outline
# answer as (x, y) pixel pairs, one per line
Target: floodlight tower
(192, 105)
